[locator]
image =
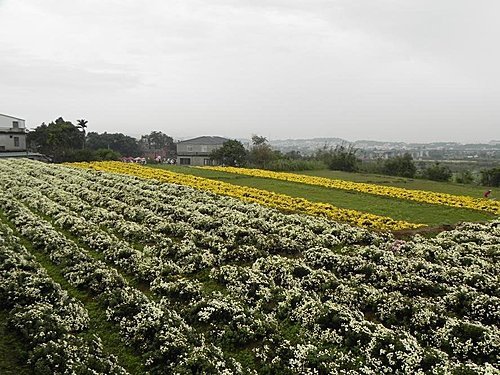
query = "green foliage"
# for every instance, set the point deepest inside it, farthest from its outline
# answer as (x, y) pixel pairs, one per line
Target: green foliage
(400, 166)
(437, 172)
(372, 166)
(13, 354)
(156, 141)
(341, 158)
(231, 153)
(82, 124)
(464, 177)
(57, 139)
(294, 161)
(91, 155)
(80, 155)
(490, 177)
(296, 165)
(258, 140)
(395, 208)
(105, 154)
(117, 142)
(293, 155)
(261, 153)
(63, 141)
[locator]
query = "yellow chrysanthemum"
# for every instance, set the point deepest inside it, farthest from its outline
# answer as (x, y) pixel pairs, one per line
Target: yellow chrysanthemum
(459, 201)
(264, 197)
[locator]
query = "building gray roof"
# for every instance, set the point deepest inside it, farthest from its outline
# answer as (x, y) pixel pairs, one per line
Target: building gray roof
(15, 118)
(205, 140)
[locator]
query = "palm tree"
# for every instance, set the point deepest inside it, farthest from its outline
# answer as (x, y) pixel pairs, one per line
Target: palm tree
(82, 124)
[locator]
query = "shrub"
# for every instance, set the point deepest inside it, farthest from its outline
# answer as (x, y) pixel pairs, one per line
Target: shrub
(437, 172)
(296, 165)
(372, 166)
(464, 177)
(342, 158)
(400, 166)
(490, 177)
(106, 154)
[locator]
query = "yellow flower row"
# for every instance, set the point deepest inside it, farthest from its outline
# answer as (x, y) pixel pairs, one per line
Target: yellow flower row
(389, 191)
(264, 197)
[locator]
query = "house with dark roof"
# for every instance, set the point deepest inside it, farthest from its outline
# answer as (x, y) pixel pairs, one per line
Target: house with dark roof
(12, 134)
(197, 151)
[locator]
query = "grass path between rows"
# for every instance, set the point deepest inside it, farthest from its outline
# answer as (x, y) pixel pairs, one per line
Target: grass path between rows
(98, 325)
(398, 209)
(13, 355)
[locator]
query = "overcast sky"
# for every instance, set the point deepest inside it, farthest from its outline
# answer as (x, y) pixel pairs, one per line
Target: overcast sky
(397, 70)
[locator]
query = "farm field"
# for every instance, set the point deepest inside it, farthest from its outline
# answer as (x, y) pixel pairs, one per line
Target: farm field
(407, 183)
(268, 198)
(398, 209)
(121, 274)
(430, 197)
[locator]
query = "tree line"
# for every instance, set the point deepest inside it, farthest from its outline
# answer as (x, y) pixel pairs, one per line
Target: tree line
(63, 141)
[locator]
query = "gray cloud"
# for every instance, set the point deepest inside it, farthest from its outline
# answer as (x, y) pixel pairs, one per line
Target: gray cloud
(49, 76)
(399, 70)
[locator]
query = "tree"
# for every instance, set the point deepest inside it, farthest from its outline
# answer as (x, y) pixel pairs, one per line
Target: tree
(118, 142)
(293, 155)
(261, 153)
(490, 177)
(400, 166)
(437, 172)
(158, 141)
(464, 177)
(58, 139)
(258, 140)
(82, 124)
(231, 153)
(106, 154)
(341, 158)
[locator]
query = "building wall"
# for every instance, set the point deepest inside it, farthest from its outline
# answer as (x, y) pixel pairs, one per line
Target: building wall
(12, 134)
(186, 148)
(195, 154)
(6, 123)
(194, 160)
(8, 143)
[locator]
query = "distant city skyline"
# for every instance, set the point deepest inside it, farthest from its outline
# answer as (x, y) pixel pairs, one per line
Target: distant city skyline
(383, 70)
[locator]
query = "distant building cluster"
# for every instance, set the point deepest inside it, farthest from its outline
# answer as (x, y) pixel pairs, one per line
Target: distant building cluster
(385, 150)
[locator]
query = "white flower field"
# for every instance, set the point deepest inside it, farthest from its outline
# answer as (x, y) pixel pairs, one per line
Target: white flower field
(192, 282)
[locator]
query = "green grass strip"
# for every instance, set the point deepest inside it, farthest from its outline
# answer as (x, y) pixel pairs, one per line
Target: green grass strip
(453, 188)
(397, 209)
(13, 354)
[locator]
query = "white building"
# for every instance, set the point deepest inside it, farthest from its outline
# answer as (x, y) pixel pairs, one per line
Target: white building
(197, 151)
(12, 134)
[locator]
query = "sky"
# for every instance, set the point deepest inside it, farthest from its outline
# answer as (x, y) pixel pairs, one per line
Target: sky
(391, 70)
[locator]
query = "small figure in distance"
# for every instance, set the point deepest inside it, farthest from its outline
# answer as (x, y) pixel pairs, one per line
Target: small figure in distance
(487, 193)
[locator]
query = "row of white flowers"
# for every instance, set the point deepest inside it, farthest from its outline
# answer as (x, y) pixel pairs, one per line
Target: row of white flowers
(152, 328)
(47, 319)
(319, 297)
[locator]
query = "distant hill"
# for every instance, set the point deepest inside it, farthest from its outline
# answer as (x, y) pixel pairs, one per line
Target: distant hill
(309, 146)
(306, 146)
